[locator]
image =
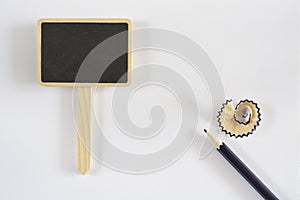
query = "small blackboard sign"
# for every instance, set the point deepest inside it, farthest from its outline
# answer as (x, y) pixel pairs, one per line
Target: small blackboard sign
(84, 53)
(64, 44)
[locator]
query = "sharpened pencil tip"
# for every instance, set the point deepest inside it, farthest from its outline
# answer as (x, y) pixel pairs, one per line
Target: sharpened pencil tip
(216, 142)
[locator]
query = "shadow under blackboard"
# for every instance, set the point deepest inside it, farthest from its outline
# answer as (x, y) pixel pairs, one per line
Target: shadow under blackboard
(24, 54)
(68, 140)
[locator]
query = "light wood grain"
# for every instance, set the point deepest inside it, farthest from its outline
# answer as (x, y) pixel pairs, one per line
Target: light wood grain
(84, 129)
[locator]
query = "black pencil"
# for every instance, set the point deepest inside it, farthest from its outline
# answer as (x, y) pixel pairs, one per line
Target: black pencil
(252, 179)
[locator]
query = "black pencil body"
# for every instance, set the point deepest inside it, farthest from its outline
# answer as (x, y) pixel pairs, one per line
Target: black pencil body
(246, 172)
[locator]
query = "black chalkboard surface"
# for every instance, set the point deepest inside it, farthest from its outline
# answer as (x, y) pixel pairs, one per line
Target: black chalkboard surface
(64, 45)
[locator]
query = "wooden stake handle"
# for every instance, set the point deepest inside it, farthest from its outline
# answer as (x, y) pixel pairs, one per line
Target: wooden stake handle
(84, 129)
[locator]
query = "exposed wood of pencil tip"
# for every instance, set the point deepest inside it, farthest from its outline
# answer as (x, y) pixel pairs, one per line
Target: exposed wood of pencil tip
(215, 141)
(83, 138)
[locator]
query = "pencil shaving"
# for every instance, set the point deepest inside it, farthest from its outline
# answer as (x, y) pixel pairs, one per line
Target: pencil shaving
(241, 120)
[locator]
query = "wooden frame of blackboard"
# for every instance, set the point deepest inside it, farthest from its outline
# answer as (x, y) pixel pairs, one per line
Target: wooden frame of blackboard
(83, 20)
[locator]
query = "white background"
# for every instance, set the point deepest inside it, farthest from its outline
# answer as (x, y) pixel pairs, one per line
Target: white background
(254, 45)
